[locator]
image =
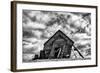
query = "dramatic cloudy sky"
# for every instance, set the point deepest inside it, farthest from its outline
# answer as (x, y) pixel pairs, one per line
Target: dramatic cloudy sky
(39, 26)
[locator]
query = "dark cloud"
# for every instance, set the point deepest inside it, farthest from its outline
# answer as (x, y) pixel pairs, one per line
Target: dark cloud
(28, 34)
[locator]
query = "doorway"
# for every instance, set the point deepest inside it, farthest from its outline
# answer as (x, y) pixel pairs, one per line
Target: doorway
(57, 52)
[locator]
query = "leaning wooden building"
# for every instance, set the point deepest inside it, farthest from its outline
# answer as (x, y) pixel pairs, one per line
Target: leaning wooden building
(58, 46)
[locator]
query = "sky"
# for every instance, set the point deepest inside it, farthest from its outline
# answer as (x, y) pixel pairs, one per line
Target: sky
(39, 26)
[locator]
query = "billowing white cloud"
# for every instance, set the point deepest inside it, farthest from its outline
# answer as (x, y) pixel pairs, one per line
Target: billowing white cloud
(37, 33)
(33, 13)
(30, 40)
(81, 36)
(34, 25)
(45, 18)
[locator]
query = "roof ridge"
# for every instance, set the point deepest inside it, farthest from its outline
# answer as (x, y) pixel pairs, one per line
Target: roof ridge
(55, 34)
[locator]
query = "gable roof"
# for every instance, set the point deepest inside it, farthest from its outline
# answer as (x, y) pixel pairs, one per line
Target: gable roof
(59, 32)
